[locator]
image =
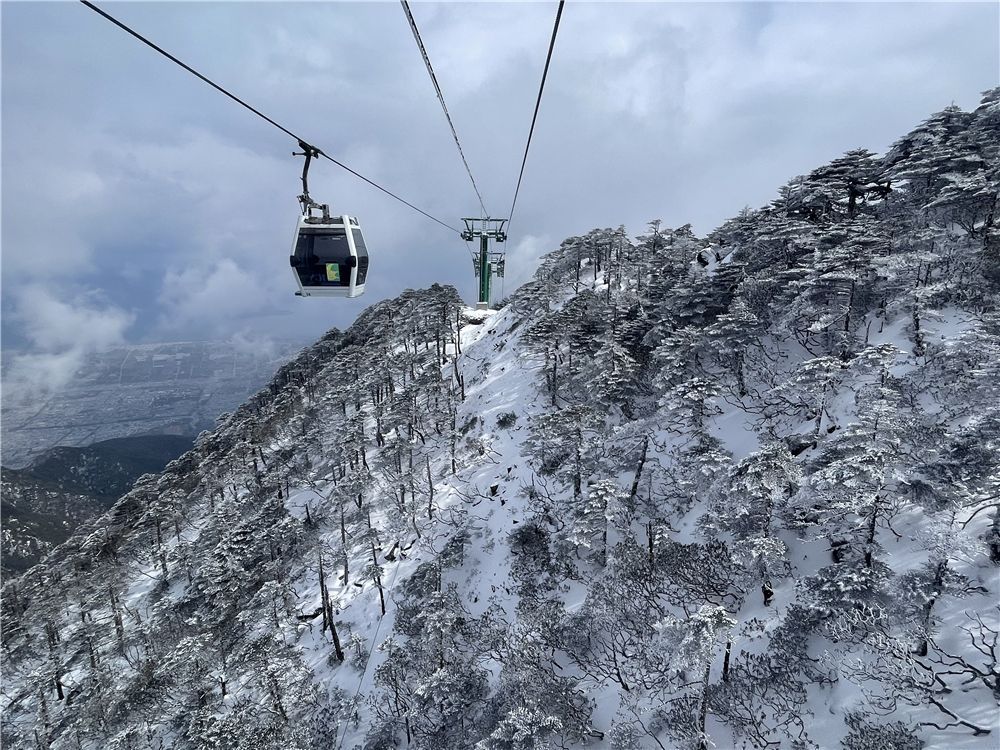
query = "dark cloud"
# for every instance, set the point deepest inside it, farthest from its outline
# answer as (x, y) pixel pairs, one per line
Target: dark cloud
(127, 181)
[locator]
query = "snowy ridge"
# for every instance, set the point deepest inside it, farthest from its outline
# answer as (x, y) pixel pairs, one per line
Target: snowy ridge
(679, 492)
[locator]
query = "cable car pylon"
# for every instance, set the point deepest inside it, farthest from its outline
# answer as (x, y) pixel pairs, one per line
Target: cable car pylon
(486, 263)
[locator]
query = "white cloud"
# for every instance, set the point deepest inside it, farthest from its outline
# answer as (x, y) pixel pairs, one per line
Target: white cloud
(54, 323)
(61, 331)
(522, 259)
(212, 298)
(255, 344)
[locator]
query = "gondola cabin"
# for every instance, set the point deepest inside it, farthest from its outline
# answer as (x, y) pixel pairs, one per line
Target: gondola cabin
(329, 257)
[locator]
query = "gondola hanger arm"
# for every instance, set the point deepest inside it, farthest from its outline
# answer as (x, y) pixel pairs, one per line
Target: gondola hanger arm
(309, 152)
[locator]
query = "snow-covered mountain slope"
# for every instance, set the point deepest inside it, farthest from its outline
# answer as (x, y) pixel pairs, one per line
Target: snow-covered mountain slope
(738, 491)
(37, 516)
(47, 501)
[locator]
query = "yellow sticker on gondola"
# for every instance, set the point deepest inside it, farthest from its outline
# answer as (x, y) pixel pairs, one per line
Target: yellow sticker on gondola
(333, 272)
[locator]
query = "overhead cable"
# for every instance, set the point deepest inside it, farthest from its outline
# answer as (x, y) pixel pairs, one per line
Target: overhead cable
(257, 112)
(538, 101)
(440, 96)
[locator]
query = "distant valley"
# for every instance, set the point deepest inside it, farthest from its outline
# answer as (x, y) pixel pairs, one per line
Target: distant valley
(154, 389)
(67, 457)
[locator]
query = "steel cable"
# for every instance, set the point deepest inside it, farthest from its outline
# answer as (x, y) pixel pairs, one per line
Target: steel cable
(440, 96)
(260, 114)
(534, 117)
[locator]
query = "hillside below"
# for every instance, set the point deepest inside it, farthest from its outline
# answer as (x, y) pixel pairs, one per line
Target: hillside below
(48, 500)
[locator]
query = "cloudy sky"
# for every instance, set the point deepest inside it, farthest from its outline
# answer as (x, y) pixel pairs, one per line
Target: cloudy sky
(140, 205)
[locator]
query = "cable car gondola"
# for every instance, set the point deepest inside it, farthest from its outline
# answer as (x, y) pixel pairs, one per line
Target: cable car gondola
(329, 257)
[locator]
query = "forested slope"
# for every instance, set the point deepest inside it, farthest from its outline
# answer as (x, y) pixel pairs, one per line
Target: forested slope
(680, 492)
(46, 502)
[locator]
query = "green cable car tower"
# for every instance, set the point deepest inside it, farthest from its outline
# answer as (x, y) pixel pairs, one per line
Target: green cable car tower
(486, 263)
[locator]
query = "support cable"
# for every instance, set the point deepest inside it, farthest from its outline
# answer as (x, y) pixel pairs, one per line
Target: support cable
(538, 101)
(283, 129)
(440, 96)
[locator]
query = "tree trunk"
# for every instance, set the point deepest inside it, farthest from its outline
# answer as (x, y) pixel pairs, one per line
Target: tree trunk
(454, 445)
(336, 638)
(323, 595)
(430, 489)
(994, 539)
(872, 530)
(638, 469)
(555, 373)
(725, 661)
(649, 542)
(378, 580)
(818, 425)
(741, 381)
(459, 380)
(939, 571)
(767, 591)
(703, 710)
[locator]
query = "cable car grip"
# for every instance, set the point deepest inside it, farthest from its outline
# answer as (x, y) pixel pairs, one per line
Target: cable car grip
(309, 152)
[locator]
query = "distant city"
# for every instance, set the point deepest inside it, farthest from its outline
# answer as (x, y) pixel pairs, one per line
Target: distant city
(173, 388)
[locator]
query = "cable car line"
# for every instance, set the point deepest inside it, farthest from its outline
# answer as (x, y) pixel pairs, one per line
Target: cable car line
(440, 96)
(388, 192)
(301, 141)
(538, 101)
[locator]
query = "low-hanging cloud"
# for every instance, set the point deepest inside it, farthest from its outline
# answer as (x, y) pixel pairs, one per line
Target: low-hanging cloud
(61, 331)
(522, 259)
(211, 296)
